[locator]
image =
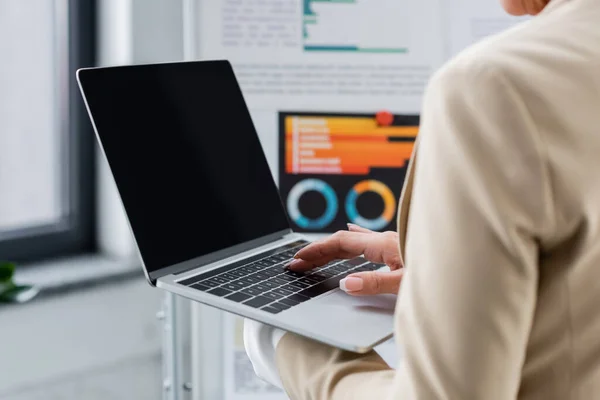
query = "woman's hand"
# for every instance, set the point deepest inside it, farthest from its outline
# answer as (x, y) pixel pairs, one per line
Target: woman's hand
(378, 247)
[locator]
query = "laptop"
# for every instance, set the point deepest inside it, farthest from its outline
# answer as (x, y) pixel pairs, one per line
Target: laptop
(204, 208)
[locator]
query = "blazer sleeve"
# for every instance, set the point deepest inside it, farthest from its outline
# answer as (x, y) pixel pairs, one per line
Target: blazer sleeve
(468, 297)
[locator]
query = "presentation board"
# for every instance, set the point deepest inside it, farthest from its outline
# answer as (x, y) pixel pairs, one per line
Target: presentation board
(337, 63)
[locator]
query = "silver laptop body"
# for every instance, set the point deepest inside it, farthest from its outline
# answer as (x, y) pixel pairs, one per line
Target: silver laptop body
(203, 206)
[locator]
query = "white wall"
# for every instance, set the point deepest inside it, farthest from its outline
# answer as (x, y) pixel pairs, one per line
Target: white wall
(77, 345)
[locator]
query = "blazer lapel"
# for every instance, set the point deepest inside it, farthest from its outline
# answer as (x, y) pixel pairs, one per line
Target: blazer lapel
(405, 198)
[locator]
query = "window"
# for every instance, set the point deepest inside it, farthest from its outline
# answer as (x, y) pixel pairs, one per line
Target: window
(46, 142)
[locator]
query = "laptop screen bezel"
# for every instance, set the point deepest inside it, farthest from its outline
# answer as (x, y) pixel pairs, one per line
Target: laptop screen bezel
(216, 256)
(196, 262)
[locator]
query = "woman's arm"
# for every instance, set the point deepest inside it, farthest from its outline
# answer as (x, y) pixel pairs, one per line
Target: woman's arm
(468, 297)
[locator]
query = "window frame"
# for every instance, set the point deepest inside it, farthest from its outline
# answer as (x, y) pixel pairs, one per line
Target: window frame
(75, 47)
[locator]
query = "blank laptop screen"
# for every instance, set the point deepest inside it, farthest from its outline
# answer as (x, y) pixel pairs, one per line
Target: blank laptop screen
(186, 158)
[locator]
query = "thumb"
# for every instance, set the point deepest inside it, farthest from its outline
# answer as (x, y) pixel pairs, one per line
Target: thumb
(370, 283)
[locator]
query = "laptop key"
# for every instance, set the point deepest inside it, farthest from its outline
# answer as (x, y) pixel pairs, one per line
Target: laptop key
(286, 277)
(278, 281)
(233, 286)
(219, 292)
(322, 287)
(272, 271)
(201, 287)
(294, 273)
(190, 281)
(328, 265)
(228, 276)
(291, 288)
(270, 284)
(300, 285)
(261, 287)
(273, 295)
(281, 306)
(239, 297)
(327, 273)
(219, 280)
(209, 283)
(238, 273)
(288, 301)
(307, 281)
(313, 278)
(271, 310)
(263, 263)
(339, 268)
(283, 291)
(298, 297)
(252, 291)
(253, 267)
(258, 302)
(250, 280)
(246, 270)
(261, 276)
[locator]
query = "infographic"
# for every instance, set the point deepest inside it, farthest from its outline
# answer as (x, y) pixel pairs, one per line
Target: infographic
(335, 55)
(335, 26)
(337, 168)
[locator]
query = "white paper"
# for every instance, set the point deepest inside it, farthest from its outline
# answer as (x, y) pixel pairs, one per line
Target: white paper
(292, 54)
(240, 381)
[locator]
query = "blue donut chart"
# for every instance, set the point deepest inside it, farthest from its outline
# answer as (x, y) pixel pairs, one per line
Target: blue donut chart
(325, 190)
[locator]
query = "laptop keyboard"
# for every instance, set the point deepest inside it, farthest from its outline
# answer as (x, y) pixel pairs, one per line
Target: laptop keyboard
(263, 282)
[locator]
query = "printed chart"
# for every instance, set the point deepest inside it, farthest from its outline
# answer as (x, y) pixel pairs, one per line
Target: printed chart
(347, 26)
(240, 380)
(339, 168)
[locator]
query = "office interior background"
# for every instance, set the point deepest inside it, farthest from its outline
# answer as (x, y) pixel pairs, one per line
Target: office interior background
(87, 325)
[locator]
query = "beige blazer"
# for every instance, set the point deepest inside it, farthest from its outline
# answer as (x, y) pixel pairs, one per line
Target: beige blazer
(499, 229)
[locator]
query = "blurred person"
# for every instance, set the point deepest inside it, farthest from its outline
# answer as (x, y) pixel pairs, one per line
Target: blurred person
(497, 254)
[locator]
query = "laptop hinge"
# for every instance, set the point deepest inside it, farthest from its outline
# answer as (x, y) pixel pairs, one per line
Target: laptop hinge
(189, 265)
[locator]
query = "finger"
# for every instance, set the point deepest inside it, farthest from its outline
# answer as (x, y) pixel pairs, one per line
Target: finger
(356, 228)
(370, 283)
(342, 244)
(303, 265)
(388, 254)
(387, 250)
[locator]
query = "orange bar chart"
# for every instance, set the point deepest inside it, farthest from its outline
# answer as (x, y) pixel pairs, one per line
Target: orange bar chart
(344, 145)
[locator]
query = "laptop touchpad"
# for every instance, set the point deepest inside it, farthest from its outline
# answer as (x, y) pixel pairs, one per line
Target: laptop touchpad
(352, 321)
(381, 304)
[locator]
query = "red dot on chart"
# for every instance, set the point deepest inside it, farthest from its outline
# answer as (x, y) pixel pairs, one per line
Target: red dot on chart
(384, 118)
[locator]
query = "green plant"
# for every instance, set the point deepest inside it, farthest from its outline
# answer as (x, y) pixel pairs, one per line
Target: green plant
(10, 292)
